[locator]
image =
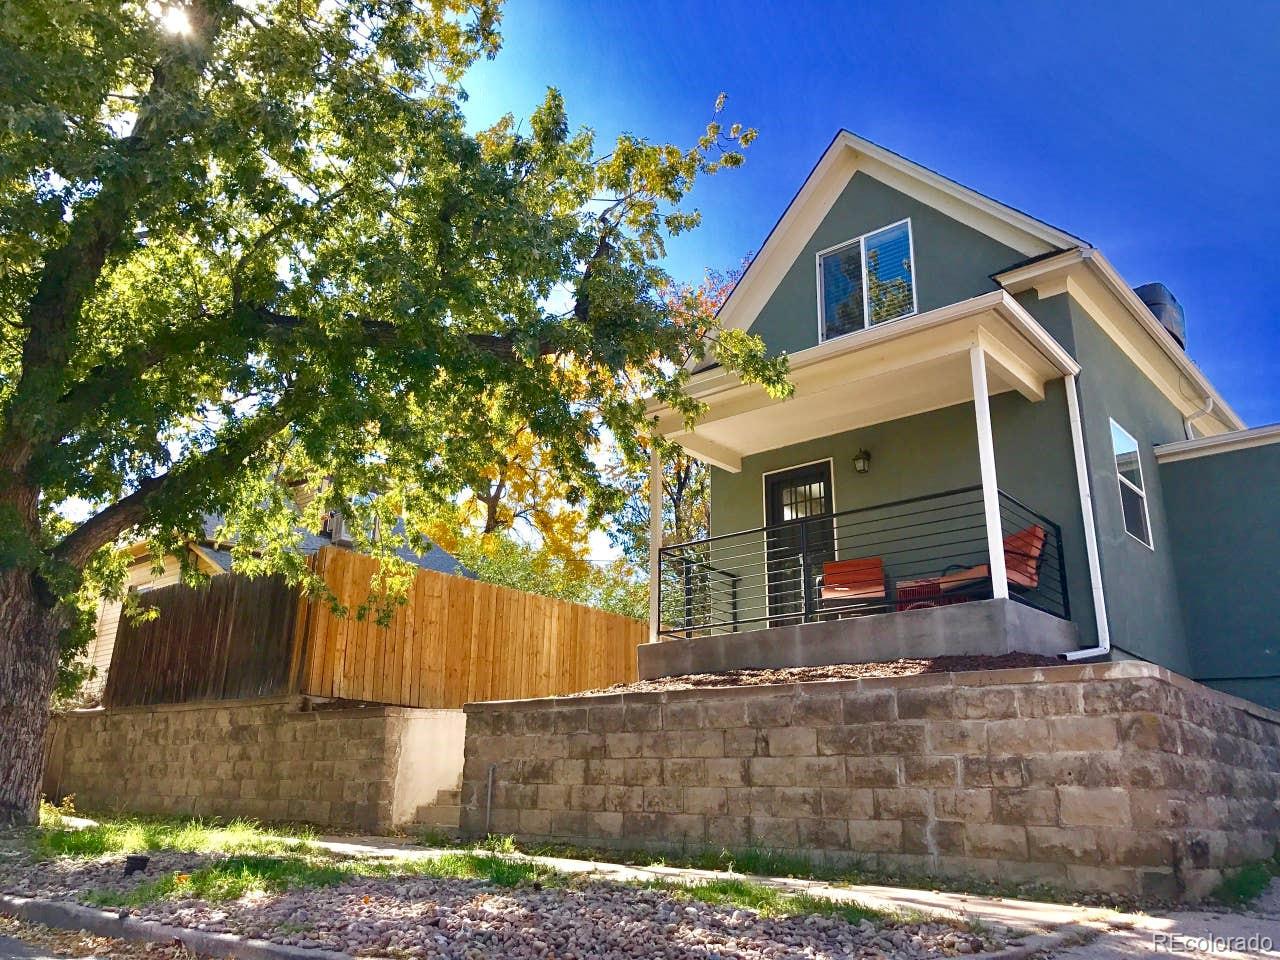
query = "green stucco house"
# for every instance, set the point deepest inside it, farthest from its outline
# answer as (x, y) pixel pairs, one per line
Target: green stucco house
(995, 443)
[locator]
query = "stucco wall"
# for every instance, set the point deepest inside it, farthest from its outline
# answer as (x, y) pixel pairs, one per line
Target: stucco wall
(1224, 530)
(1141, 586)
(356, 768)
(930, 453)
(953, 262)
(1116, 777)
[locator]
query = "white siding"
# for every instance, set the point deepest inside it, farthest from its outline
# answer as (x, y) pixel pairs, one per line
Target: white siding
(141, 577)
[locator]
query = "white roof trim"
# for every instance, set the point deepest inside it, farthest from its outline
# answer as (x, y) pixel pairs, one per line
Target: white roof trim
(708, 383)
(1020, 278)
(1223, 443)
(895, 369)
(1049, 235)
(847, 155)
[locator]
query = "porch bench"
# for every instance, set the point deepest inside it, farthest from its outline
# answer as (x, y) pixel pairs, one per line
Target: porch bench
(850, 587)
(1023, 552)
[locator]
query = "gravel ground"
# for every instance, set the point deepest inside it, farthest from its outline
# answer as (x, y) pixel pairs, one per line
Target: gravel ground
(67, 878)
(471, 920)
(839, 671)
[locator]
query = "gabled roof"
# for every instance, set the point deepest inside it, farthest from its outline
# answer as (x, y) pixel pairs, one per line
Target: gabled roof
(848, 154)
(1046, 249)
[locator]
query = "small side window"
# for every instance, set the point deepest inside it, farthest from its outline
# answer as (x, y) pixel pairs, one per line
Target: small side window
(1133, 492)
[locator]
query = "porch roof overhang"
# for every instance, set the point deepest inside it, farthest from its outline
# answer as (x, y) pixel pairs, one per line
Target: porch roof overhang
(889, 371)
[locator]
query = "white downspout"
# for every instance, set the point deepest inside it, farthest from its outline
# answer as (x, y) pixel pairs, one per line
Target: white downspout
(1090, 529)
(655, 535)
(1196, 415)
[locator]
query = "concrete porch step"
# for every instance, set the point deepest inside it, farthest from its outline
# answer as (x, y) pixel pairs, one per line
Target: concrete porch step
(438, 816)
(445, 813)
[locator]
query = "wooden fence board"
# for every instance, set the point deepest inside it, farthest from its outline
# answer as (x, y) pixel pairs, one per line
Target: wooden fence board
(231, 638)
(452, 641)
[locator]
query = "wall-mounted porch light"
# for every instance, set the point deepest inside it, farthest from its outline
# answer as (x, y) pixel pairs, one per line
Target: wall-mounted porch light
(861, 461)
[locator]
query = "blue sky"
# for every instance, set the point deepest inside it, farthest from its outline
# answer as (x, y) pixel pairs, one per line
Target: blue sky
(1151, 130)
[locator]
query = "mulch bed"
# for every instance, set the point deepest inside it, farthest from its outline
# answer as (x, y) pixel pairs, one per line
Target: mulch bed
(837, 671)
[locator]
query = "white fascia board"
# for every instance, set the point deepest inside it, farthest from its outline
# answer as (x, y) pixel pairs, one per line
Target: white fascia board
(706, 385)
(806, 210)
(1021, 278)
(1163, 337)
(1047, 234)
(839, 162)
(1222, 443)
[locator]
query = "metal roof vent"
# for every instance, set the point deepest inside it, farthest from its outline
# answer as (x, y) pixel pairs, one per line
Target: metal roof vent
(1161, 302)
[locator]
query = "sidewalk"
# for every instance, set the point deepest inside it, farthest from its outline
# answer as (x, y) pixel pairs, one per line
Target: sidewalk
(1102, 934)
(1026, 915)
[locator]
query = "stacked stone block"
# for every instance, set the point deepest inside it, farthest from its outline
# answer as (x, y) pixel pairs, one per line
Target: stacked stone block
(1115, 777)
(266, 759)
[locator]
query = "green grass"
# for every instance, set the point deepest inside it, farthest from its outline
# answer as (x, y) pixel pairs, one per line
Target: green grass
(771, 901)
(758, 861)
(435, 838)
(148, 835)
(774, 863)
(257, 860)
(240, 876)
(1241, 887)
(237, 877)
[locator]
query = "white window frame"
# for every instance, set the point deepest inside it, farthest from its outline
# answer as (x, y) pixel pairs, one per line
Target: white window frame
(866, 306)
(1121, 483)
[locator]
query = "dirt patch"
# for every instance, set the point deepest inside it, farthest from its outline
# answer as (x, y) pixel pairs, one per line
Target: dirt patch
(837, 671)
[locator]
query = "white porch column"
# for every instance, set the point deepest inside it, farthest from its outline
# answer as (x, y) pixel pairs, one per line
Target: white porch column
(1090, 528)
(987, 466)
(655, 536)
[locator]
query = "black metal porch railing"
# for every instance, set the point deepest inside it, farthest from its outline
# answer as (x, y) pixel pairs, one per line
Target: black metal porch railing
(921, 552)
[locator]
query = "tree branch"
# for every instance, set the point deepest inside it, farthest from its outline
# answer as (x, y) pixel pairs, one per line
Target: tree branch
(183, 480)
(71, 271)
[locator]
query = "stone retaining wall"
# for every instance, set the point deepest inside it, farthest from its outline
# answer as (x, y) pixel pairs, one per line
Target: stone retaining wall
(1117, 777)
(363, 768)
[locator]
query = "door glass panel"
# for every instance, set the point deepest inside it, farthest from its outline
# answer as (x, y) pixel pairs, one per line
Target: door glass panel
(797, 546)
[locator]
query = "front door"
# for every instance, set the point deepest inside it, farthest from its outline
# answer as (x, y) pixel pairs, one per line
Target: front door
(796, 546)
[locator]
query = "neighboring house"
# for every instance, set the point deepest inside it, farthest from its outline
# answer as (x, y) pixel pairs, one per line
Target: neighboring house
(211, 556)
(984, 410)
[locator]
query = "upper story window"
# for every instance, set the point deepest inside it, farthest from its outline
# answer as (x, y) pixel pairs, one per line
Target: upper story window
(1133, 492)
(865, 281)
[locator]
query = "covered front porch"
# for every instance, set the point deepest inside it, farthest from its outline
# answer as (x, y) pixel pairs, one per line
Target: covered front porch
(951, 537)
(911, 554)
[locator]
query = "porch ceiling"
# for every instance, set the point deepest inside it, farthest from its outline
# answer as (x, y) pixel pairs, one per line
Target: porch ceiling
(894, 370)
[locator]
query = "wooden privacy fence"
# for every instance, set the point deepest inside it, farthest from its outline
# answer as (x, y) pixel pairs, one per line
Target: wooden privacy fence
(453, 641)
(232, 638)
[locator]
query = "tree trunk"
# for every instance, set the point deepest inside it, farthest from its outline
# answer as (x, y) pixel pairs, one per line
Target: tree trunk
(29, 632)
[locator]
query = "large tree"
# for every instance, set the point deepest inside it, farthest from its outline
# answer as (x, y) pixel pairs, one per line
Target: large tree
(686, 481)
(251, 242)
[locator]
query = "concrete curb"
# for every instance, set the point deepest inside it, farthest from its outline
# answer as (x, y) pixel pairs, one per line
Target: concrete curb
(107, 923)
(65, 915)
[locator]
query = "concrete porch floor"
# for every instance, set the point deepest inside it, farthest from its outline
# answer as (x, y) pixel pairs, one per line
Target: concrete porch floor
(981, 627)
